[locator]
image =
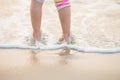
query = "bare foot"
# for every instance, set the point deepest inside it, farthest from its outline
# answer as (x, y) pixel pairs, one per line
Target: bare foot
(70, 40)
(32, 42)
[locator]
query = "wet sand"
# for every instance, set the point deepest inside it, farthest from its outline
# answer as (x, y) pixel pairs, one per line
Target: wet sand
(49, 65)
(95, 23)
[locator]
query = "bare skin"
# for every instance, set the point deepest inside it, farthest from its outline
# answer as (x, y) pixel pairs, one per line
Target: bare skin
(65, 19)
(36, 15)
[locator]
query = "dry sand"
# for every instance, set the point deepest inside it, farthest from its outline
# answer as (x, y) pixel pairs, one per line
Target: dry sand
(94, 22)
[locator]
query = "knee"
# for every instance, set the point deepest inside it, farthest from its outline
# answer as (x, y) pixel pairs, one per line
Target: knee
(62, 3)
(36, 4)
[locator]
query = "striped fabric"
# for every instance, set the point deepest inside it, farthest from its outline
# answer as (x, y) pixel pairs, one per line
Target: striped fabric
(59, 3)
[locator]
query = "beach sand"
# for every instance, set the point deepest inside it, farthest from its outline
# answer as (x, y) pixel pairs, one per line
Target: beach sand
(95, 23)
(49, 65)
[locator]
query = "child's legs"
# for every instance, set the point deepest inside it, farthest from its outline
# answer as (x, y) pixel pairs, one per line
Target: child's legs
(36, 14)
(64, 11)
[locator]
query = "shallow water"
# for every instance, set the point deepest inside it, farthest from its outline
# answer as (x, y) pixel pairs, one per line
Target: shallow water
(95, 23)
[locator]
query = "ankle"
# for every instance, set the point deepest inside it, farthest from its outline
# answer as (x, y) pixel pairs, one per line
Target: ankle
(66, 37)
(37, 35)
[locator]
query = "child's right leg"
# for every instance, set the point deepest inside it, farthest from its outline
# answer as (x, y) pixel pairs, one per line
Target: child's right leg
(36, 14)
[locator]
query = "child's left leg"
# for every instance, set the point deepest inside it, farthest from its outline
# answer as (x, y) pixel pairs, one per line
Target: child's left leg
(64, 15)
(64, 11)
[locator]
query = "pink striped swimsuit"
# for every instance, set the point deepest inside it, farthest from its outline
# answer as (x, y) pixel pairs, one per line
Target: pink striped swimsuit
(59, 3)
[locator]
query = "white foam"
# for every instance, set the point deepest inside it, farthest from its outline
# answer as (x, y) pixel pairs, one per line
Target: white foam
(23, 28)
(56, 47)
